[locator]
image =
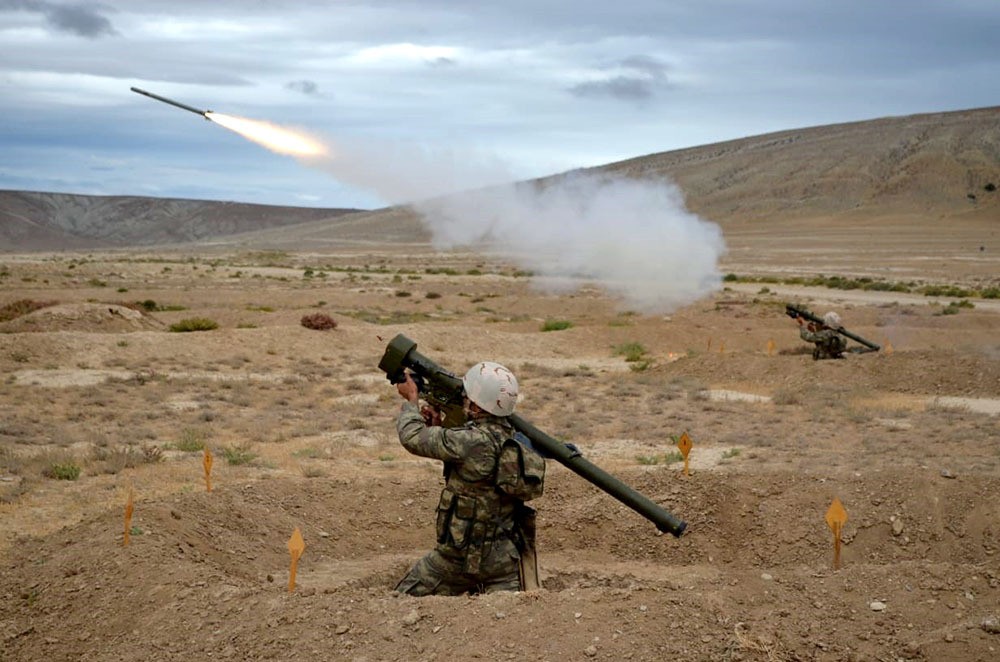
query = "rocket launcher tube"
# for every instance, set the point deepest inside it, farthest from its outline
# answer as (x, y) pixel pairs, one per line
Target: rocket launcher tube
(444, 390)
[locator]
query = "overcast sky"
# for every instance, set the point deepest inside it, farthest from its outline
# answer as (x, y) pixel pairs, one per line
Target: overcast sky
(518, 88)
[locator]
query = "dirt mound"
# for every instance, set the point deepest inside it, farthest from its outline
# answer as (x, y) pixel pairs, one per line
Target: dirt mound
(92, 317)
(206, 575)
(914, 372)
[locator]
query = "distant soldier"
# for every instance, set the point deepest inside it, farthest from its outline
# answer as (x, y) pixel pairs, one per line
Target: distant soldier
(829, 343)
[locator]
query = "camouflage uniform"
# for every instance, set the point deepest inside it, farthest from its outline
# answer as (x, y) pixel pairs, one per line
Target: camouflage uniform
(829, 343)
(477, 538)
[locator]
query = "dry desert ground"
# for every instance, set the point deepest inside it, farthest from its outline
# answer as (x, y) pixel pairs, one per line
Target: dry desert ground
(299, 423)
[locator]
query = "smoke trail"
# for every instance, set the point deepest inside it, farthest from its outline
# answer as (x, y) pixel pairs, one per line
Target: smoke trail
(633, 237)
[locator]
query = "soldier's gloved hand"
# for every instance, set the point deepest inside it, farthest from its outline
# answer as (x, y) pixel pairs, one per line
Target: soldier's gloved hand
(572, 448)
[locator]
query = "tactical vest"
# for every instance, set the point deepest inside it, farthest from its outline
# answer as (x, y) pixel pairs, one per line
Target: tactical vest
(472, 514)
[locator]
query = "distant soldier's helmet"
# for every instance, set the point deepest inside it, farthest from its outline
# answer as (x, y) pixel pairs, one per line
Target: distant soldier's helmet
(832, 320)
(492, 387)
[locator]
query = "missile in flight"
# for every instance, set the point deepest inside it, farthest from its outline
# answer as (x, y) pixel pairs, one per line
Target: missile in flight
(203, 113)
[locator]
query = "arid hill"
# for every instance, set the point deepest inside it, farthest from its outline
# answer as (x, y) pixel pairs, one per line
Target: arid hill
(56, 221)
(919, 168)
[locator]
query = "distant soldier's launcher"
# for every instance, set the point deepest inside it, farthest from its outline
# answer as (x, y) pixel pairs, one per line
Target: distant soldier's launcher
(444, 390)
(794, 312)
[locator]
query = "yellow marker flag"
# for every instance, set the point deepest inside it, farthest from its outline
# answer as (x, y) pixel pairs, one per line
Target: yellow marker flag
(129, 507)
(296, 545)
(836, 517)
(684, 445)
(207, 463)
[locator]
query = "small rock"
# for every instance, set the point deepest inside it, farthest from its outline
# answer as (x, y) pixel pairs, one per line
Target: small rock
(897, 527)
(949, 637)
(342, 629)
(991, 624)
(324, 534)
(590, 651)
(946, 473)
(766, 577)
(877, 605)
(500, 615)
(411, 618)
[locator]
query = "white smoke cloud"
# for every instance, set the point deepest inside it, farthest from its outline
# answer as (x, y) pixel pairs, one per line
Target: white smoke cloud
(635, 238)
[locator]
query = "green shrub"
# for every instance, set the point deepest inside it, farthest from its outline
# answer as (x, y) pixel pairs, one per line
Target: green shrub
(190, 441)
(556, 325)
(632, 351)
(238, 454)
(194, 324)
(62, 471)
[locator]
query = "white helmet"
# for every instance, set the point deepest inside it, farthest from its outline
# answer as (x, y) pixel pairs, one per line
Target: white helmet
(832, 320)
(492, 387)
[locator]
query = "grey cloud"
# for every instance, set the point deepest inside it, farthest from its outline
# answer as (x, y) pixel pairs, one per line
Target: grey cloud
(640, 77)
(82, 20)
(307, 87)
(619, 87)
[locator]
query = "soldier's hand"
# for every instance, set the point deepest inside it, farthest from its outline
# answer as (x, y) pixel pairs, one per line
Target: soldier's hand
(799, 319)
(408, 389)
(431, 415)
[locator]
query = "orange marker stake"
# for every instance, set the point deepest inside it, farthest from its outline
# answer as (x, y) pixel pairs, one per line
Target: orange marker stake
(129, 507)
(836, 517)
(207, 462)
(888, 347)
(296, 545)
(770, 347)
(722, 347)
(684, 444)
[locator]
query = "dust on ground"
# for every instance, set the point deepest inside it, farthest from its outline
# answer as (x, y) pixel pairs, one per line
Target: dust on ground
(300, 424)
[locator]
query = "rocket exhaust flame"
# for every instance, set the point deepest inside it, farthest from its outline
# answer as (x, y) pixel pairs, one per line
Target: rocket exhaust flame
(275, 138)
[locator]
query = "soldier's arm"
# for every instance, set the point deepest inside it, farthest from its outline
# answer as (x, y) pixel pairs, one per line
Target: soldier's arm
(809, 336)
(446, 444)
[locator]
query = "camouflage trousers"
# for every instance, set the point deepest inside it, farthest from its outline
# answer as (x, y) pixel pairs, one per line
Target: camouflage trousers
(442, 572)
(821, 352)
